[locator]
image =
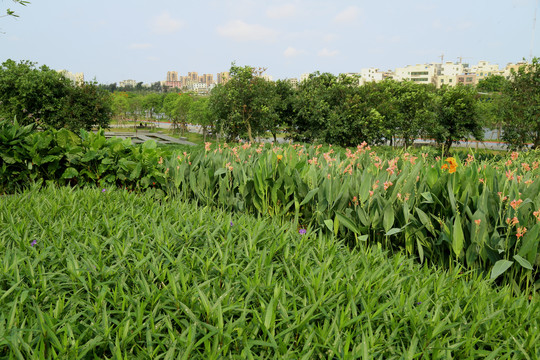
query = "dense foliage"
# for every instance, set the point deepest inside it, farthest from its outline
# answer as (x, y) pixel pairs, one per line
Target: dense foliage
(521, 106)
(102, 273)
(329, 109)
(60, 156)
(42, 95)
(484, 215)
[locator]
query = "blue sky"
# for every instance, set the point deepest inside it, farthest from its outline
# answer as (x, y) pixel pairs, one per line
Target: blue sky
(115, 40)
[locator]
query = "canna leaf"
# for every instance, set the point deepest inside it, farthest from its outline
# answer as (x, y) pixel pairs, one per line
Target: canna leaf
(499, 268)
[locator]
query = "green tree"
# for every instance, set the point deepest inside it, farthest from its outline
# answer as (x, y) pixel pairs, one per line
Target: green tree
(135, 101)
(456, 116)
(85, 107)
(284, 107)
(493, 83)
(200, 114)
(411, 108)
(152, 103)
(176, 106)
(336, 110)
(120, 105)
(521, 106)
(245, 104)
(43, 95)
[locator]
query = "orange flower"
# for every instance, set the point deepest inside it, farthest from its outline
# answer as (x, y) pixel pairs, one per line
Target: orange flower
(279, 157)
(477, 222)
(537, 214)
(515, 204)
(513, 221)
(451, 166)
(521, 231)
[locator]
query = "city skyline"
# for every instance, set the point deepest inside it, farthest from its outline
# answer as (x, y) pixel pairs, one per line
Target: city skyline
(115, 41)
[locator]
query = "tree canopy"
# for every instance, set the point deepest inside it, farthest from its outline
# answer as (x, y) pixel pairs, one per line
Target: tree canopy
(521, 106)
(42, 95)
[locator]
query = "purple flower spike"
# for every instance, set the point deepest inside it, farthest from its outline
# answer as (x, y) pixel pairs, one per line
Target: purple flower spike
(232, 223)
(33, 243)
(302, 231)
(103, 190)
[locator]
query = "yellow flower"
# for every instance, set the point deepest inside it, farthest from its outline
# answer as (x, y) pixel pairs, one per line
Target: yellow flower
(279, 157)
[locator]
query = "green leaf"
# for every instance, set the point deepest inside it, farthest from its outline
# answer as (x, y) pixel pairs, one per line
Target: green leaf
(393, 231)
(500, 267)
(220, 171)
(424, 219)
(523, 262)
(70, 173)
(458, 238)
(329, 224)
(309, 196)
(428, 198)
(348, 223)
(388, 219)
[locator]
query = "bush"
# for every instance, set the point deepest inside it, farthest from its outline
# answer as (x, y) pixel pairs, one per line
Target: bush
(42, 95)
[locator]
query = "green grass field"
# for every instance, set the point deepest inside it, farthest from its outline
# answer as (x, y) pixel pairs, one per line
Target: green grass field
(103, 273)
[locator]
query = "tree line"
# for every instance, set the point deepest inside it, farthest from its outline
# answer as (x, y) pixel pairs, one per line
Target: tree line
(324, 108)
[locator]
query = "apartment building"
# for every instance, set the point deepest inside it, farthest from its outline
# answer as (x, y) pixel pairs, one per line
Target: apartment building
(172, 76)
(507, 72)
(469, 79)
(293, 82)
(76, 78)
(222, 77)
(370, 75)
(484, 69)
(126, 83)
(419, 73)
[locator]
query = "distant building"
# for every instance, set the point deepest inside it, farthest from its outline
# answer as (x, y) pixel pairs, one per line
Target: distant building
(172, 76)
(293, 82)
(448, 74)
(223, 77)
(304, 77)
(207, 79)
(484, 69)
(507, 72)
(468, 79)
(193, 76)
(370, 75)
(419, 73)
(126, 83)
(76, 78)
(450, 80)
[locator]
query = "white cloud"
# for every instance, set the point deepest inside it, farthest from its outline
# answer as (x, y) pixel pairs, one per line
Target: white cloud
(348, 15)
(140, 46)
(327, 53)
(241, 31)
(283, 11)
(165, 24)
(292, 52)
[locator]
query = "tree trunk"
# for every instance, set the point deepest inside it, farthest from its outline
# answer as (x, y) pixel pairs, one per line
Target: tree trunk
(446, 148)
(249, 132)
